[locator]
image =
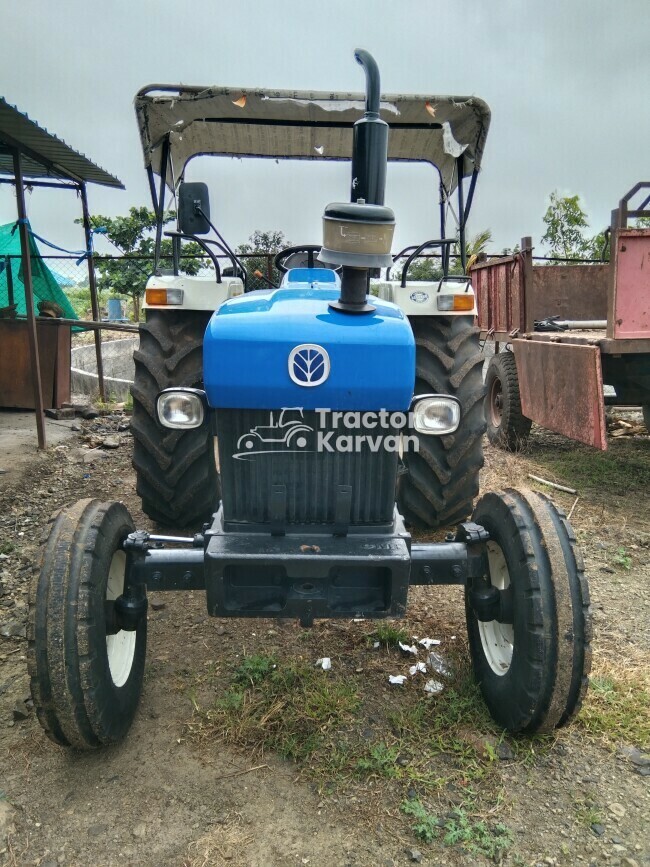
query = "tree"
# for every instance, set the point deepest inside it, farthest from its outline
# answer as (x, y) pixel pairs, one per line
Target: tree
(565, 224)
(430, 270)
(268, 243)
(133, 235)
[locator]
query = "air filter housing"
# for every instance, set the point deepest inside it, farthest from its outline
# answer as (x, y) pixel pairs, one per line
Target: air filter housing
(357, 235)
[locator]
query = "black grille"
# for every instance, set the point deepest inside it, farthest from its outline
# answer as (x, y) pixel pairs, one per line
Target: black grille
(307, 482)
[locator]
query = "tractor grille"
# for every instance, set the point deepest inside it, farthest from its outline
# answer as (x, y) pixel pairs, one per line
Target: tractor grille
(265, 481)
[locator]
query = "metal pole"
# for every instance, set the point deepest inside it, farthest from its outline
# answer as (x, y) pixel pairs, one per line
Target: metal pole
(443, 228)
(164, 158)
(461, 216)
(29, 300)
(10, 281)
(92, 285)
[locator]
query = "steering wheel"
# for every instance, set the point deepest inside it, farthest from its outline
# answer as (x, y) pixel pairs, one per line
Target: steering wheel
(311, 250)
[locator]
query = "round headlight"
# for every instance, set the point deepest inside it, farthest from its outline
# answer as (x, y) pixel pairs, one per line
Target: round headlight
(180, 409)
(435, 414)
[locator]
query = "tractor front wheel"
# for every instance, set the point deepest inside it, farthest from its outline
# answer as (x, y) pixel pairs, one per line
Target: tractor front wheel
(86, 679)
(507, 426)
(176, 470)
(439, 482)
(532, 660)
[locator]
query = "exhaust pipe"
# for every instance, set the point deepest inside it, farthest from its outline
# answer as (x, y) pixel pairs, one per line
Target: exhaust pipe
(370, 140)
(358, 236)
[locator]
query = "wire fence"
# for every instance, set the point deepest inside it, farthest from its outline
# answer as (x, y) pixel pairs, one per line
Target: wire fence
(125, 277)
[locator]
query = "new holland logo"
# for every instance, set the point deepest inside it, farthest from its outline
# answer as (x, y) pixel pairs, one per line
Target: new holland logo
(309, 364)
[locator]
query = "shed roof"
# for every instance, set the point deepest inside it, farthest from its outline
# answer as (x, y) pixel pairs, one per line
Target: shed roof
(306, 125)
(44, 154)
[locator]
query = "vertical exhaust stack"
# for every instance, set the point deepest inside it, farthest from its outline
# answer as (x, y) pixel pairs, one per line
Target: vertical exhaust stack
(358, 236)
(370, 140)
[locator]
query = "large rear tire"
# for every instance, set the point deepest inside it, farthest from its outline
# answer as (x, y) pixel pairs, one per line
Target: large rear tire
(507, 426)
(532, 664)
(85, 684)
(176, 471)
(441, 480)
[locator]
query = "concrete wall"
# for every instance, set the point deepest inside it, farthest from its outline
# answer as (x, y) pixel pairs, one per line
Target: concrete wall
(119, 368)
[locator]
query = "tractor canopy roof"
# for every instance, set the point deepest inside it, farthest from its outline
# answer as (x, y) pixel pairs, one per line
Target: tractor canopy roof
(285, 124)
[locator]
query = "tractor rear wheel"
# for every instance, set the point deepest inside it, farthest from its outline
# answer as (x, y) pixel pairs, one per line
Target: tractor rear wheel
(532, 663)
(176, 470)
(85, 680)
(440, 481)
(507, 426)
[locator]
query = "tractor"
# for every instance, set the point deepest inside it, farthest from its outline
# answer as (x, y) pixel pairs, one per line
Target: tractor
(379, 379)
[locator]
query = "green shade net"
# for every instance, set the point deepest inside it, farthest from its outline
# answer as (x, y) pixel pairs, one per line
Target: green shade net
(45, 286)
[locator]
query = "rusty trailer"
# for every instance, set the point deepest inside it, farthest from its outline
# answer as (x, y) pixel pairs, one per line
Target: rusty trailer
(569, 330)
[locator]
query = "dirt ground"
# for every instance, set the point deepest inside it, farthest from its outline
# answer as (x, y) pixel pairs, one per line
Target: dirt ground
(179, 792)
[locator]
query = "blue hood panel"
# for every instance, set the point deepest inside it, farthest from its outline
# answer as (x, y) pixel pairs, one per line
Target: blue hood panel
(253, 341)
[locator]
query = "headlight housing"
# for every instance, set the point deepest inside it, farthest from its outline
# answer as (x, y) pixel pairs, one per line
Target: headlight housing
(181, 408)
(436, 414)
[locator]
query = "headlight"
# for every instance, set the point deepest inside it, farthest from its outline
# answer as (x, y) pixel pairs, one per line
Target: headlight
(181, 408)
(436, 414)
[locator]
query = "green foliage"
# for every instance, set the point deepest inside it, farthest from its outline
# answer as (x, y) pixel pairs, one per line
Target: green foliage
(426, 826)
(622, 558)
(79, 297)
(254, 669)
(478, 838)
(388, 634)
(380, 761)
(430, 270)
(566, 224)
(133, 235)
(263, 242)
(291, 708)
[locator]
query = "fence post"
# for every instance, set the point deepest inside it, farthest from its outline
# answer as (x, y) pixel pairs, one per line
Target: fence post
(92, 285)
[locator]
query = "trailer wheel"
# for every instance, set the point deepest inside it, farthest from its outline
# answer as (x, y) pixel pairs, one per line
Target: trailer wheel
(440, 481)
(85, 684)
(507, 426)
(176, 470)
(533, 663)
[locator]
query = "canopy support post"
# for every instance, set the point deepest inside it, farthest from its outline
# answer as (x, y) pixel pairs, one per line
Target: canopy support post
(92, 284)
(29, 299)
(443, 228)
(164, 159)
(461, 216)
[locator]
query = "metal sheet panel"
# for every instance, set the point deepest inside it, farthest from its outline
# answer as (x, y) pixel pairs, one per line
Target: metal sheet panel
(313, 125)
(499, 289)
(632, 284)
(16, 388)
(44, 154)
(569, 291)
(561, 389)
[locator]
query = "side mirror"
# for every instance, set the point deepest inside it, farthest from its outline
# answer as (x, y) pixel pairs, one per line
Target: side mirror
(192, 199)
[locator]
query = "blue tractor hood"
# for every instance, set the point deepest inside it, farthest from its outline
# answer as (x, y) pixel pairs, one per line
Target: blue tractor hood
(287, 348)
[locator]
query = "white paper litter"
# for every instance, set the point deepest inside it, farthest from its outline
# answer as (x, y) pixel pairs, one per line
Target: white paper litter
(428, 643)
(325, 663)
(376, 644)
(418, 668)
(409, 648)
(433, 687)
(439, 664)
(397, 679)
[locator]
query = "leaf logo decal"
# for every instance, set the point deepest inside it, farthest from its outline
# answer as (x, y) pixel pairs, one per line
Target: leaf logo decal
(309, 364)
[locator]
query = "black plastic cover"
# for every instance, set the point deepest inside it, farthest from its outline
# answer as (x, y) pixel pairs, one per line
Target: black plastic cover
(191, 197)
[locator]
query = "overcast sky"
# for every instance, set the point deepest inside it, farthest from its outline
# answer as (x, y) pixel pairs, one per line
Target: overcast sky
(567, 82)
